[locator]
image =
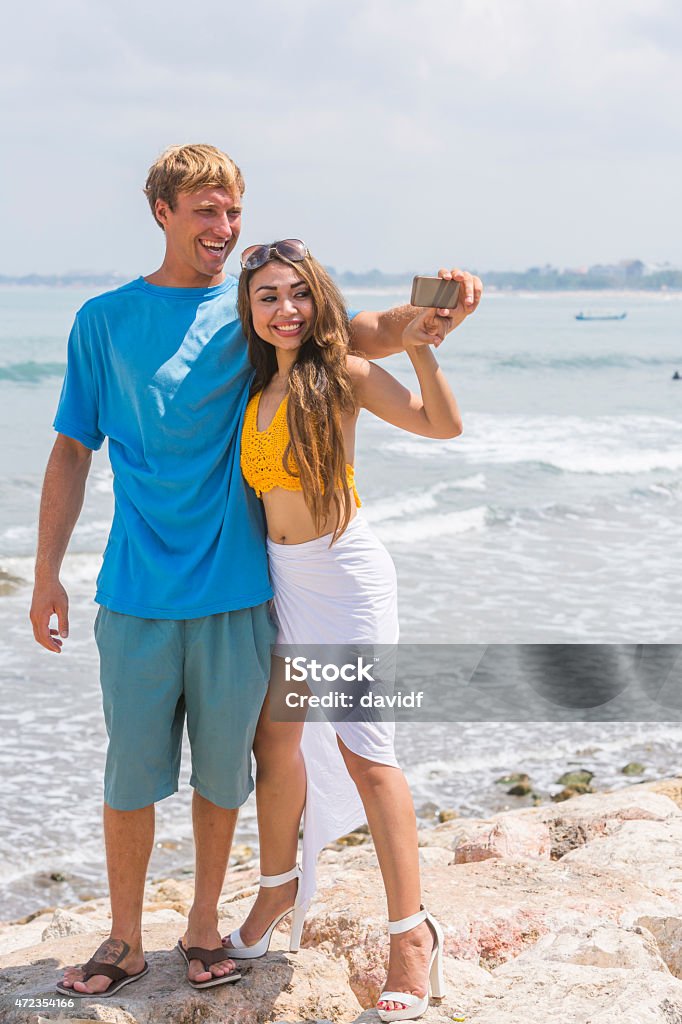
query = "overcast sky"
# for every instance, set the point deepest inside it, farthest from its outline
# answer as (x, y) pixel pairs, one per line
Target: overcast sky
(387, 133)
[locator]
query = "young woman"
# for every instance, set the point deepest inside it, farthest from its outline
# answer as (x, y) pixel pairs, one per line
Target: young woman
(335, 584)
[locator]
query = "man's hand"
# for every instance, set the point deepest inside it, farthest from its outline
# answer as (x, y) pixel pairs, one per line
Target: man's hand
(60, 505)
(379, 334)
(470, 291)
(50, 599)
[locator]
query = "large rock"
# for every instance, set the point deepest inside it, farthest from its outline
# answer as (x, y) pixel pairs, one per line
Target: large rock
(644, 850)
(672, 788)
(561, 993)
(93, 917)
(667, 931)
(64, 923)
(575, 822)
(508, 838)
(491, 911)
(601, 946)
(591, 935)
(309, 985)
(572, 823)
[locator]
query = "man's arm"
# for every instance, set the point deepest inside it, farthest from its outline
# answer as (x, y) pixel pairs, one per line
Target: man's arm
(60, 506)
(379, 334)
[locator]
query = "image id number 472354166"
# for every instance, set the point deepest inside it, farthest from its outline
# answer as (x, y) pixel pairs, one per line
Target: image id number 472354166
(44, 1003)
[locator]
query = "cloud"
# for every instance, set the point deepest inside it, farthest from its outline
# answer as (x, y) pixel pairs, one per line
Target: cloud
(381, 128)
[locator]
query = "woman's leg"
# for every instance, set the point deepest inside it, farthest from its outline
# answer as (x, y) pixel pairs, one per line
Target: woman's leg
(390, 815)
(280, 799)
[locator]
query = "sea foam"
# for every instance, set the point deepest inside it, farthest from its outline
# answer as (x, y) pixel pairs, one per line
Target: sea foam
(429, 527)
(603, 445)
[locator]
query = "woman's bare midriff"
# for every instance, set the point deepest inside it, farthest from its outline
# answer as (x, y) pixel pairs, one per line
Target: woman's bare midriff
(288, 518)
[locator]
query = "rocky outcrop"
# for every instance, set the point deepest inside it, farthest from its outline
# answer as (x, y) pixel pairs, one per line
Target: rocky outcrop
(508, 838)
(576, 916)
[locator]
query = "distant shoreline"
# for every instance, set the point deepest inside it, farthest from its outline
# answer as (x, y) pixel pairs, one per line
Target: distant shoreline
(628, 276)
(355, 287)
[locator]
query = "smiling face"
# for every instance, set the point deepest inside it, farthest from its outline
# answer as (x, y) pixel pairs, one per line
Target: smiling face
(201, 232)
(282, 307)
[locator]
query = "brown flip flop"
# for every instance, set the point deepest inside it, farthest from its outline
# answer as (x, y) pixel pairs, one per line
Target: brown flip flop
(208, 957)
(118, 976)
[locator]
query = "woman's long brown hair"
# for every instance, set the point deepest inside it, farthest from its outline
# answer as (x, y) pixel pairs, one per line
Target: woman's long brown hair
(320, 392)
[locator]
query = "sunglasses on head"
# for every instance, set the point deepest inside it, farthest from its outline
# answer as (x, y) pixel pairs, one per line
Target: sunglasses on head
(257, 255)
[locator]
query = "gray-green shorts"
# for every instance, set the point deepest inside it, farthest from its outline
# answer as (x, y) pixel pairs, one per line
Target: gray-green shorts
(154, 672)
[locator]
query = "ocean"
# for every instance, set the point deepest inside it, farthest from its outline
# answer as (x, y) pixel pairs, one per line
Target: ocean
(553, 519)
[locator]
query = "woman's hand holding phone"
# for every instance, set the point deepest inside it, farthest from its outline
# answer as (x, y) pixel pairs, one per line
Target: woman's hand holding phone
(427, 328)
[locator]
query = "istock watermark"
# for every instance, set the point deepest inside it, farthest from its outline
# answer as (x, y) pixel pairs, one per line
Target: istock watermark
(301, 669)
(360, 683)
(478, 682)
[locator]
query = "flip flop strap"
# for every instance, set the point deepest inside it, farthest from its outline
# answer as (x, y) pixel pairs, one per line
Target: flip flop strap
(94, 967)
(207, 956)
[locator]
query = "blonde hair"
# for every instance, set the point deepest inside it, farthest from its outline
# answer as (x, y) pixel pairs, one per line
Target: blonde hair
(188, 169)
(320, 392)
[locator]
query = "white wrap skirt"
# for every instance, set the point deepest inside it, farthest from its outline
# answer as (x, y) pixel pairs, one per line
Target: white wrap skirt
(346, 594)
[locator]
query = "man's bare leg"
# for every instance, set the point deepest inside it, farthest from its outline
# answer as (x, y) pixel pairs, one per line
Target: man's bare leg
(128, 837)
(213, 831)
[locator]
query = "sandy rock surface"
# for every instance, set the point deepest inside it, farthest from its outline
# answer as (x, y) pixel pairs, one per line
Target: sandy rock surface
(576, 917)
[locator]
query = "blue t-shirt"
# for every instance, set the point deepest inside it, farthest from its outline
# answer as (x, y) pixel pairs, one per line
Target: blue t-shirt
(164, 374)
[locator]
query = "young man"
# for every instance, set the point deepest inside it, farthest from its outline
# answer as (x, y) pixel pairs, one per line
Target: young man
(159, 367)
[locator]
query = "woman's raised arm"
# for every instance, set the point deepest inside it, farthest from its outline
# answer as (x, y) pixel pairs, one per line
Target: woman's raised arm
(434, 413)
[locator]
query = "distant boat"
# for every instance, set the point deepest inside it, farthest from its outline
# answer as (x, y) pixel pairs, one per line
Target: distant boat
(600, 316)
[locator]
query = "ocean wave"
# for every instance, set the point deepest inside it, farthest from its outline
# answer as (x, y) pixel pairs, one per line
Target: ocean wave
(78, 856)
(17, 540)
(403, 504)
(670, 491)
(410, 503)
(8, 582)
(18, 533)
(102, 480)
(627, 463)
(31, 372)
(606, 445)
(429, 527)
(613, 360)
(469, 483)
(77, 569)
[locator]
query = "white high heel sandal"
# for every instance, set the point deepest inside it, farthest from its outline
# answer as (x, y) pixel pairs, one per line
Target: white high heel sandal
(238, 951)
(414, 1006)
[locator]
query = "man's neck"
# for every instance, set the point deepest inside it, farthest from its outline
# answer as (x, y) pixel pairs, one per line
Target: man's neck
(183, 277)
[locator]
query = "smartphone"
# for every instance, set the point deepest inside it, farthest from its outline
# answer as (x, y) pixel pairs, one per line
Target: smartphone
(434, 292)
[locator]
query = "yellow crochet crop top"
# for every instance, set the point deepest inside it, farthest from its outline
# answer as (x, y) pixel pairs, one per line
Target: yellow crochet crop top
(263, 451)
